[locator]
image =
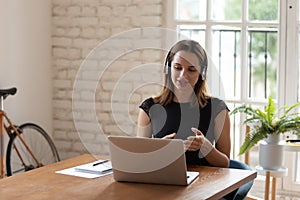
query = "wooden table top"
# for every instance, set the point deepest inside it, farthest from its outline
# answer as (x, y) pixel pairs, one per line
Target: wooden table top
(44, 183)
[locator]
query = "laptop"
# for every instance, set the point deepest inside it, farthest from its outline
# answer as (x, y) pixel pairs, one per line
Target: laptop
(149, 160)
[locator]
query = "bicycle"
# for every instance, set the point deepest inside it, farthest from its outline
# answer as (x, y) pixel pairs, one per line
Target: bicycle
(29, 145)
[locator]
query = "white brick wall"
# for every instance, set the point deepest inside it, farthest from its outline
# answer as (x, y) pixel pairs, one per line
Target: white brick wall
(79, 26)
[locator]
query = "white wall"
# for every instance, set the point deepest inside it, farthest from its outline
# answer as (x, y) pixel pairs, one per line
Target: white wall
(25, 60)
(79, 26)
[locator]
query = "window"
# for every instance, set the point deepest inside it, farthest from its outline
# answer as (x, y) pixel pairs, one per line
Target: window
(251, 49)
(292, 182)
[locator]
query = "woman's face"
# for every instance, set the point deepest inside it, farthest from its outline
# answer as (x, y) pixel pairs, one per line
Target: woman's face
(185, 70)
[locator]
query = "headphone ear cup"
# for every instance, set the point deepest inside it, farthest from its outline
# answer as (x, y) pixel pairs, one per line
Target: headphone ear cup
(166, 68)
(203, 72)
(167, 63)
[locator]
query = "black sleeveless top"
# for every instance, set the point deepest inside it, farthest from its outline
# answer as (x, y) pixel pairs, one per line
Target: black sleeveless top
(179, 118)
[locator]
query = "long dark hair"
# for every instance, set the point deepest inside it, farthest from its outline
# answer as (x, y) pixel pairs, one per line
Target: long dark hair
(166, 95)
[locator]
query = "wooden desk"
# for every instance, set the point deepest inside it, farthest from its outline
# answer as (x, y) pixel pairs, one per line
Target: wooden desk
(44, 183)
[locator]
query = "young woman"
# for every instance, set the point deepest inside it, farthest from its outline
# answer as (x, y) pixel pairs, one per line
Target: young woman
(184, 109)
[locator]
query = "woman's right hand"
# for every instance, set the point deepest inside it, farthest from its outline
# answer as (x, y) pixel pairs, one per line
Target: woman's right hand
(170, 136)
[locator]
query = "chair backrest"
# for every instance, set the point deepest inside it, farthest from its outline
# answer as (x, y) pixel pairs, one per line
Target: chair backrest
(247, 154)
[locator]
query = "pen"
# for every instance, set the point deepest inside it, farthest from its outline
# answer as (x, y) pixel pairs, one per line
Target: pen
(99, 163)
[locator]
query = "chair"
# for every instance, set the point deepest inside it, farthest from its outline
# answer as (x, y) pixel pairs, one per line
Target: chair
(247, 162)
(242, 191)
(247, 154)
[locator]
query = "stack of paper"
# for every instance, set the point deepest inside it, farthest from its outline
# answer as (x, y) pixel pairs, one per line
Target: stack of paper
(98, 167)
(89, 170)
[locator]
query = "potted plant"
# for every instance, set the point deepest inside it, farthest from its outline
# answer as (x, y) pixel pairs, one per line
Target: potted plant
(267, 125)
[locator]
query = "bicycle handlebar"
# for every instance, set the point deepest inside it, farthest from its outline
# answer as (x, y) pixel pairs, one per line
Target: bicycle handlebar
(5, 92)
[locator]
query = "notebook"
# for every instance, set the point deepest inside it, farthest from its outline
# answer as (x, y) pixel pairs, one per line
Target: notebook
(149, 160)
(100, 167)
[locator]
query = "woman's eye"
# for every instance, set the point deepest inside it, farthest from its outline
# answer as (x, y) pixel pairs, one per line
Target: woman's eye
(177, 67)
(192, 69)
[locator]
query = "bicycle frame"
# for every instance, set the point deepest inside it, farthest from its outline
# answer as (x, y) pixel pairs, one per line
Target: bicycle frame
(3, 127)
(2, 173)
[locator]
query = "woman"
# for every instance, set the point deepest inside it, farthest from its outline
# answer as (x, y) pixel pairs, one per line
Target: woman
(185, 110)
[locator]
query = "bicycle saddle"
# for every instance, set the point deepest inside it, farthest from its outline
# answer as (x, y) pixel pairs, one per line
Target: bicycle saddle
(5, 92)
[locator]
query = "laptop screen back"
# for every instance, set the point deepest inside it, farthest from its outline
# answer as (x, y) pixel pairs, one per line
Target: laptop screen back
(148, 160)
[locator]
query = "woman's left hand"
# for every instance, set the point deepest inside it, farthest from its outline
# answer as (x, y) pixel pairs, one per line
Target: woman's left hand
(194, 143)
(199, 141)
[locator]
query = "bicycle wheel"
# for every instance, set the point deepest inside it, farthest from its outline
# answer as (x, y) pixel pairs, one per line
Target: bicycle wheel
(39, 143)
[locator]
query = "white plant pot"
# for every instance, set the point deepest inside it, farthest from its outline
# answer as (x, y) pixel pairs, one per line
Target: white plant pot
(273, 139)
(271, 153)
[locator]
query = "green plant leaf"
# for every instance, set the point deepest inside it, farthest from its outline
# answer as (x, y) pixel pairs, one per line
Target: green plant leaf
(268, 121)
(250, 140)
(270, 110)
(289, 108)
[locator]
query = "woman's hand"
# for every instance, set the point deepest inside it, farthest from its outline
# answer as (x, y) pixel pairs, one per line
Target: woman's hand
(170, 136)
(193, 143)
(199, 141)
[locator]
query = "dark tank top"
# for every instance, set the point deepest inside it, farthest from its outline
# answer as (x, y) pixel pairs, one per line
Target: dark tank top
(179, 118)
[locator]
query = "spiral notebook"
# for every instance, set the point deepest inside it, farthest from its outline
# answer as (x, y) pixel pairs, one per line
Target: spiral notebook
(97, 167)
(89, 170)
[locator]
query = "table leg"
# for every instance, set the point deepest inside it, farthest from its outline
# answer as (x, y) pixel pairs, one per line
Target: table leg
(267, 185)
(273, 188)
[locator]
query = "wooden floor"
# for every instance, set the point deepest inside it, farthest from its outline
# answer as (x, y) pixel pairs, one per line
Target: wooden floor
(257, 193)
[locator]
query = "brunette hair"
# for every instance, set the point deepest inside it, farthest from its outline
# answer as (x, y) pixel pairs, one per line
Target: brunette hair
(166, 95)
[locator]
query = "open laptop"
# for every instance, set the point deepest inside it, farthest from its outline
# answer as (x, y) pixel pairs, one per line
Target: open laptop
(149, 160)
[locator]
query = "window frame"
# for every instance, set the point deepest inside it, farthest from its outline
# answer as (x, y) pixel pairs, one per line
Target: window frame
(291, 76)
(287, 73)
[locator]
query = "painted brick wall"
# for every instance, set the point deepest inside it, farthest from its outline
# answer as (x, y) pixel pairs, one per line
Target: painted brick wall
(104, 64)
